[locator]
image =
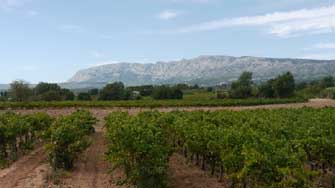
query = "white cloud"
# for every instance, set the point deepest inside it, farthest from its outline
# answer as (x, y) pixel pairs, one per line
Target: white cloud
(168, 15)
(108, 62)
(319, 56)
(325, 46)
(104, 63)
(10, 4)
(282, 24)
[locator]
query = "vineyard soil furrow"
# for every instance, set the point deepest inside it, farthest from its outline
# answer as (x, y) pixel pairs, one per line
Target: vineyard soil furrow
(183, 174)
(27, 172)
(102, 112)
(91, 170)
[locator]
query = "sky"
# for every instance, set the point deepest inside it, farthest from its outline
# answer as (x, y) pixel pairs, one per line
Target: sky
(49, 40)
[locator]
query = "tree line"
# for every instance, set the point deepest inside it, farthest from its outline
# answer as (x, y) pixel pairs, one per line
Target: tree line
(282, 86)
(22, 91)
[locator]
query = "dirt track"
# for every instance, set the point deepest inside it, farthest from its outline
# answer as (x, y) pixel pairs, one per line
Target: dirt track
(91, 170)
(102, 112)
(28, 172)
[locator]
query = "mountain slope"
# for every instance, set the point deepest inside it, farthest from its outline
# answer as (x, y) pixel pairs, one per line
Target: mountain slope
(206, 70)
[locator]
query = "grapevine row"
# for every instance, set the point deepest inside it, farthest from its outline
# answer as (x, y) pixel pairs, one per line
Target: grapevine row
(138, 145)
(19, 133)
(285, 148)
(67, 137)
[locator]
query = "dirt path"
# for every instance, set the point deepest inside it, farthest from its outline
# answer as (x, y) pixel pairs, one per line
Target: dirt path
(28, 172)
(184, 175)
(91, 170)
(101, 112)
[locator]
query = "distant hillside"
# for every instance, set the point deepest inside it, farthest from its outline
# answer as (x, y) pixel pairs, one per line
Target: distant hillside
(204, 70)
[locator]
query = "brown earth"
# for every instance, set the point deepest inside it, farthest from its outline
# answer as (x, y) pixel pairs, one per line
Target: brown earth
(92, 171)
(28, 172)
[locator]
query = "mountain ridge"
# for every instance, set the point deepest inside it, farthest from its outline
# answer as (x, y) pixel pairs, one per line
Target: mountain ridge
(203, 70)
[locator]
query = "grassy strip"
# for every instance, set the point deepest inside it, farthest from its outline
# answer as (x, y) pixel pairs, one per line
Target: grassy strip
(148, 103)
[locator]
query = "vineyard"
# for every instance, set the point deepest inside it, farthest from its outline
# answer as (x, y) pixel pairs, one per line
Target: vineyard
(18, 134)
(262, 148)
(148, 103)
(65, 137)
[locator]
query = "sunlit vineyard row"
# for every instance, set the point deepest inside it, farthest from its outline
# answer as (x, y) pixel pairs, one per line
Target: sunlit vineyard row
(63, 137)
(258, 148)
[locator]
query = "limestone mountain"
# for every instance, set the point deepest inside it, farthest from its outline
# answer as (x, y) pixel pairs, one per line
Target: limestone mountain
(203, 70)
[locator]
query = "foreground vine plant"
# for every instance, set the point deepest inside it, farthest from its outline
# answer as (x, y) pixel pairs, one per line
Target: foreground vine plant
(67, 137)
(19, 133)
(139, 146)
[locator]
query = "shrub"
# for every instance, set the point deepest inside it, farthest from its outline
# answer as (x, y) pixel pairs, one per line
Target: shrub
(84, 97)
(166, 92)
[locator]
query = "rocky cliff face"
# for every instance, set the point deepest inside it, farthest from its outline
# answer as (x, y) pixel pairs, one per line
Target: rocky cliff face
(205, 70)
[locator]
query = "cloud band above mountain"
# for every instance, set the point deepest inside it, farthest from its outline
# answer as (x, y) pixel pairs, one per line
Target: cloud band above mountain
(282, 24)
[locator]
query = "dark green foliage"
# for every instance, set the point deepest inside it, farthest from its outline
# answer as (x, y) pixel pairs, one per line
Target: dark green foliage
(139, 146)
(209, 89)
(20, 91)
(242, 88)
(67, 137)
(148, 103)
(93, 92)
(327, 82)
(84, 97)
(284, 85)
(114, 91)
(3, 95)
(283, 148)
(266, 90)
(145, 90)
(316, 88)
(67, 95)
(166, 92)
(19, 133)
(43, 87)
(50, 96)
(52, 92)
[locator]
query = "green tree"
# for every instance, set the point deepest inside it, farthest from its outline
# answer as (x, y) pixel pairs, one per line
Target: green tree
(67, 95)
(166, 92)
(266, 90)
(93, 92)
(51, 95)
(242, 88)
(52, 92)
(20, 91)
(327, 82)
(114, 91)
(43, 87)
(84, 97)
(284, 85)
